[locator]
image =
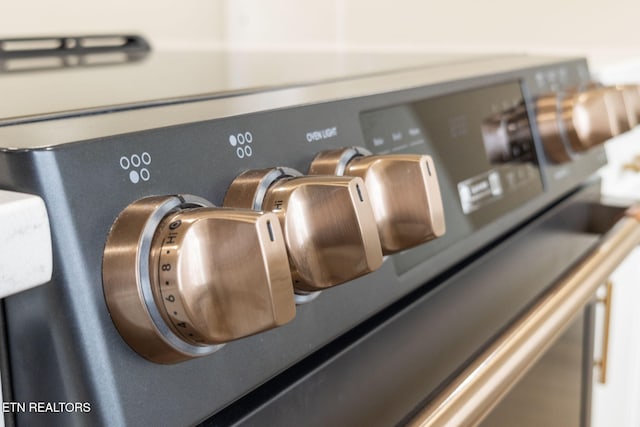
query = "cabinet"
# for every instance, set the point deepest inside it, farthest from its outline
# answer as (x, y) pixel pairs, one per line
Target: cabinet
(615, 403)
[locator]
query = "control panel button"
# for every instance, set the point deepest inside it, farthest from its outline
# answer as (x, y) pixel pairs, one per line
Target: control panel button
(327, 221)
(403, 189)
(182, 277)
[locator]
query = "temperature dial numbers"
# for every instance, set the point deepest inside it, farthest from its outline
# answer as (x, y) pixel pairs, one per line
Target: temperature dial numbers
(164, 261)
(181, 277)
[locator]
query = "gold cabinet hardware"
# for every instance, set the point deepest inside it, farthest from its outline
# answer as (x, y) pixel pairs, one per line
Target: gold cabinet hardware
(601, 363)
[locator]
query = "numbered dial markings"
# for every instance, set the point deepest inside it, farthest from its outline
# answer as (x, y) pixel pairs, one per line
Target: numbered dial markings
(182, 277)
(167, 285)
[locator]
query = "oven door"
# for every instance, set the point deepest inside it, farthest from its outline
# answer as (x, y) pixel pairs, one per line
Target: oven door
(450, 352)
(556, 391)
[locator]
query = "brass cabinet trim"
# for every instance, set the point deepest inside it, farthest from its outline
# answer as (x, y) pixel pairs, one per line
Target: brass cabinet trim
(602, 362)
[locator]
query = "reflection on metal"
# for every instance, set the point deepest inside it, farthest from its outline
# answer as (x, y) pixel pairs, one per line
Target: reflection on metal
(475, 392)
(403, 189)
(601, 363)
(633, 165)
(507, 136)
(328, 223)
(574, 121)
(177, 281)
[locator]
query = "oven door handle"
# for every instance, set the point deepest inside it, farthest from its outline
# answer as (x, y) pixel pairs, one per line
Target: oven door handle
(469, 398)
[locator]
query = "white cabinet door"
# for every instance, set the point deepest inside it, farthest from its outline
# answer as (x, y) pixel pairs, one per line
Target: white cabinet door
(616, 403)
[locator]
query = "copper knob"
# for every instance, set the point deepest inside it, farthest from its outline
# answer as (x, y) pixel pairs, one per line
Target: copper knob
(594, 116)
(586, 119)
(551, 130)
(327, 221)
(181, 278)
(631, 96)
(575, 121)
(403, 189)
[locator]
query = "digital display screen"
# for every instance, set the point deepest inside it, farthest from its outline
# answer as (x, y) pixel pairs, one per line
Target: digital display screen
(480, 141)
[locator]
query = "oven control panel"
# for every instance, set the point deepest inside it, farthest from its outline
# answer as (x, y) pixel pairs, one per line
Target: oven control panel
(170, 277)
(210, 245)
(173, 274)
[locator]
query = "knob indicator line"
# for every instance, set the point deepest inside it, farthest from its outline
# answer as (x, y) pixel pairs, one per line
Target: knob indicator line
(182, 277)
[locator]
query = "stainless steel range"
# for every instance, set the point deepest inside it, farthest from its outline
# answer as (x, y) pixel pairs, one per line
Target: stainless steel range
(302, 239)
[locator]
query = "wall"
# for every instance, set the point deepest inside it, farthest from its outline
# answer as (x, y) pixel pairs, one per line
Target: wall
(602, 30)
(167, 23)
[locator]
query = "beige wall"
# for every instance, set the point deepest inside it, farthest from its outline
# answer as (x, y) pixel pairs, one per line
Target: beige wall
(603, 29)
(167, 23)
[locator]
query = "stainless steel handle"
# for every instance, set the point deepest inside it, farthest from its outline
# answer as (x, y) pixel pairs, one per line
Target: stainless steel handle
(471, 395)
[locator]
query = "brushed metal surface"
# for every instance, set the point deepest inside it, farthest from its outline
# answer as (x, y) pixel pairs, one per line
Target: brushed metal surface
(550, 393)
(177, 283)
(594, 116)
(328, 224)
(76, 336)
(631, 96)
(404, 192)
(469, 398)
(125, 275)
(575, 121)
(221, 274)
(550, 130)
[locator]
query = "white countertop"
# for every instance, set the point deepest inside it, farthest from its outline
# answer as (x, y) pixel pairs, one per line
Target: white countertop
(25, 249)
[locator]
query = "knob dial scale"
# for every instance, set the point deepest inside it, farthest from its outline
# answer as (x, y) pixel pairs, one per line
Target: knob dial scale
(182, 277)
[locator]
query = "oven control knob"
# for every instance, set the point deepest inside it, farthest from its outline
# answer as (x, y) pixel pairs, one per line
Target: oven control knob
(403, 189)
(631, 96)
(573, 122)
(182, 277)
(620, 119)
(327, 221)
(586, 119)
(551, 129)
(592, 117)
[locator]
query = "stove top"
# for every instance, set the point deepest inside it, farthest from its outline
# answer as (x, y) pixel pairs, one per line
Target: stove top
(33, 87)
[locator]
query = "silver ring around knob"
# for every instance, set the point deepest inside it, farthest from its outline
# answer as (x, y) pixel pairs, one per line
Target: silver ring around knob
(146, 237)
(347, 155)
(272, 176)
